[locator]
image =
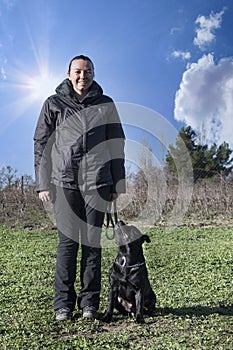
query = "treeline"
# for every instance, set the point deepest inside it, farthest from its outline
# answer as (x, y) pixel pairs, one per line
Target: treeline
(19, 204)
(158, 195)
(207, 160)
(194, 186)
(208, 201)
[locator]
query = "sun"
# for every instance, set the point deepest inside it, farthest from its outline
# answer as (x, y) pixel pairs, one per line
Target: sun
(31, 90)
(41, 86)
(27, 81)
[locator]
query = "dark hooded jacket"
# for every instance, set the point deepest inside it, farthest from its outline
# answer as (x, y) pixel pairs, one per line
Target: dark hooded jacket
(79, 145)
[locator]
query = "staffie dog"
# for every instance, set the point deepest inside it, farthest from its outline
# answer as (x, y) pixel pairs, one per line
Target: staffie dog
(130, 290)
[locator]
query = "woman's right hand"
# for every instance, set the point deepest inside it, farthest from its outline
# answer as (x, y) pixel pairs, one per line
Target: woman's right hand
(44, 196)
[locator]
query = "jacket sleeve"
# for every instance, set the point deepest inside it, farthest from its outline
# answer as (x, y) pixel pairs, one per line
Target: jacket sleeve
(43, 140)
(116, 136)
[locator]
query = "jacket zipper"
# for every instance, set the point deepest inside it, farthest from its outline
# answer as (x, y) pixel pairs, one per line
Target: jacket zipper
(84, 161)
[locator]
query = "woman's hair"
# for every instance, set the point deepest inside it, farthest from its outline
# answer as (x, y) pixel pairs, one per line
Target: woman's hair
(80, 57)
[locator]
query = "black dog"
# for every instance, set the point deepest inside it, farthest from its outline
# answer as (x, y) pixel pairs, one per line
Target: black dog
(130, 290)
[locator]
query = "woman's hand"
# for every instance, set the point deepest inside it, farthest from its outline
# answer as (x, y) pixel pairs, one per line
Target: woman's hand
(44, 196)
(113, 196)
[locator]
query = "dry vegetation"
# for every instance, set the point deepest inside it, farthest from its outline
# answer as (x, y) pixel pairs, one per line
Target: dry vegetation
(209, 201)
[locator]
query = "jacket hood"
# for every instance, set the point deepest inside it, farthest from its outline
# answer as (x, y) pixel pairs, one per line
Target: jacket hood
(65, 90)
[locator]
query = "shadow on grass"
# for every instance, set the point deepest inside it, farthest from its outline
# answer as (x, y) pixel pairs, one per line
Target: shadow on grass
(194, 311)
(197, 310)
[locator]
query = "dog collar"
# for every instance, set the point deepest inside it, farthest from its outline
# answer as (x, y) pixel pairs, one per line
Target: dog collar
(136, 265)
(131, 266)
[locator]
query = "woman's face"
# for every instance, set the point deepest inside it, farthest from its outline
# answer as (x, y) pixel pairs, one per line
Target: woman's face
(81, 76)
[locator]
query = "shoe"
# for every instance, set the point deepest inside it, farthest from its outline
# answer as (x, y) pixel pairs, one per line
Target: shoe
(63, 314)
(90, 312)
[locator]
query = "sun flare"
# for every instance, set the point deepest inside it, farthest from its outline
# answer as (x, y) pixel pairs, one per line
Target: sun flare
(41, 86)
(32, 91)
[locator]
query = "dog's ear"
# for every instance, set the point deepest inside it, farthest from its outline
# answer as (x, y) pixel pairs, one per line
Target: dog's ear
(121, 223)
(146, 238)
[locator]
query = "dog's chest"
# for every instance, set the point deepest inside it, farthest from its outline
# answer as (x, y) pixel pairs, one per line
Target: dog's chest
(124, 273)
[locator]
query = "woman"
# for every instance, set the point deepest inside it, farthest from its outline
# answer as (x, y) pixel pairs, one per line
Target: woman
(79, 165)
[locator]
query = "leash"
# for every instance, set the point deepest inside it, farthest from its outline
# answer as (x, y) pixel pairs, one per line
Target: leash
(110, 220)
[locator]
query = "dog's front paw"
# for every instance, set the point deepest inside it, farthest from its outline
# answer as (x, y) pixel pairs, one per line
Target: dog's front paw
(107, 317)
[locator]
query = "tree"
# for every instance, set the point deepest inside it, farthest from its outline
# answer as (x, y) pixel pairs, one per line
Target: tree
(8, 177)
(207, 161)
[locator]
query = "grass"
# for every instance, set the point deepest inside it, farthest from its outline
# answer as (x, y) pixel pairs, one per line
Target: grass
(190, 270)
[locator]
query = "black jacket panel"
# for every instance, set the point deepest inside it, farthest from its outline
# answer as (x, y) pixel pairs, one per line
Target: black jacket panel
(79, 145)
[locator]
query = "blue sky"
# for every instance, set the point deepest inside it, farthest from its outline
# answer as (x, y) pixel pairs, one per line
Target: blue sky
(174, 57)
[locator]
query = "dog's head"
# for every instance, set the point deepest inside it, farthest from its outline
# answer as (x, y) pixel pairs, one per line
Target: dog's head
(126, 234)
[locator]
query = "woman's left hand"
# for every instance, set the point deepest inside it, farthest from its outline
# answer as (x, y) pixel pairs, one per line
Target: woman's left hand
(113, 196)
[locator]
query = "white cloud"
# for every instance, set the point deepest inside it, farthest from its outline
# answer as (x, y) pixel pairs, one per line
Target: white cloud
(205, 98)
(184, 55)
(207, 25)
(175, 29)
(3, 73)
(3, 63)
(7, 3)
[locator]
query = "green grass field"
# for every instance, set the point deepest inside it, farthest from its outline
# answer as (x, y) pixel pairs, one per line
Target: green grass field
(191, 272)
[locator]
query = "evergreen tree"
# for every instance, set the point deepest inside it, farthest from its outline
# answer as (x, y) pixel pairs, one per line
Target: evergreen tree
(207, 161)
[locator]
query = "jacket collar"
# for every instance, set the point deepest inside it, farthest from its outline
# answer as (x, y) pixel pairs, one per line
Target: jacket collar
(65, 90)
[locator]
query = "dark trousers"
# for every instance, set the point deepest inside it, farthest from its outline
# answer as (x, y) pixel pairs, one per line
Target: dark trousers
(79, 218)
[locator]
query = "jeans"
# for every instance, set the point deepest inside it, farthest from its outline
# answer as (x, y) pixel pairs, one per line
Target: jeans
(79, 218)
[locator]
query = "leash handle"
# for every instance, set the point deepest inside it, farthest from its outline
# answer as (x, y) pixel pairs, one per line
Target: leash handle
(115, 211)
(109, 214)
(111, 219)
